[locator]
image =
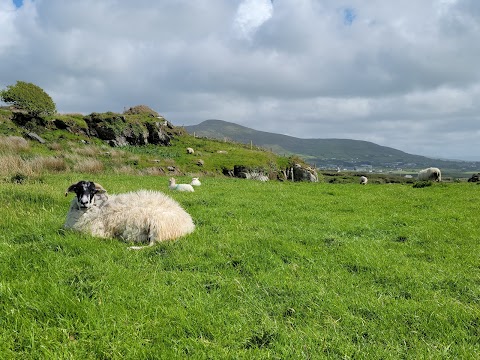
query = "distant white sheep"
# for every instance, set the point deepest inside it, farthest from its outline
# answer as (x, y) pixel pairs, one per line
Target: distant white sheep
(142, 216)
(363, 180)
(254, 175)
(430, 174)
(179, 187)
(190, 150)
(195, 182)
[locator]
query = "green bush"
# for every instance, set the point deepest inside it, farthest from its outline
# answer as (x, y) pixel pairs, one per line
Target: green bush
(28, 97)
(422, 184)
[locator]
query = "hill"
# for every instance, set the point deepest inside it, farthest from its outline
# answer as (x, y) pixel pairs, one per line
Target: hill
(140, 143)
(325, 152)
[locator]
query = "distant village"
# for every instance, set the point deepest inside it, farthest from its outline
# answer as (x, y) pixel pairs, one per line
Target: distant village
(454, 168)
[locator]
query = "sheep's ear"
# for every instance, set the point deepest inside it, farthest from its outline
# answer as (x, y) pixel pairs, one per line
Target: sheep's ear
(71, 188)
(99, 189)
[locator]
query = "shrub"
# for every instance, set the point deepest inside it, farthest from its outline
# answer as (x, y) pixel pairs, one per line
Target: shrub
(18, 178)
(29, 97)
(422, 184)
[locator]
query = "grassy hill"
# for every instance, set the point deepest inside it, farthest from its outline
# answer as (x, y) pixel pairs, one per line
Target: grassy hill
(325, 152)
(78, 143)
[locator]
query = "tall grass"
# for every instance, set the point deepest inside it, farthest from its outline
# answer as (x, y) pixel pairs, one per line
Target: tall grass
(13, 144)
(274, 270)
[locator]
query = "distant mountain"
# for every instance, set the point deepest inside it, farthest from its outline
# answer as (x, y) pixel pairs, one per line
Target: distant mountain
(321, 152)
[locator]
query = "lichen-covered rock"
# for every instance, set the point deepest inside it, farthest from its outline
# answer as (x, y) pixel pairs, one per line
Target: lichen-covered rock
(119, 130)
(300, 173)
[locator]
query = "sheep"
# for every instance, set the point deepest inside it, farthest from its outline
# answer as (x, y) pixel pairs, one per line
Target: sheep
(255, 175)
(141, 216)
(363, 180)
(430, 174)
(180, 187)
(190, 150)
(195, 182)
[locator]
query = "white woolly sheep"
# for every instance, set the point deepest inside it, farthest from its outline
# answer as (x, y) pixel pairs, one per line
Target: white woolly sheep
(255, 175)
(430, 174)
(142, 216)
(180, 187)
(195, 182)
(363, 180)
(190, 150)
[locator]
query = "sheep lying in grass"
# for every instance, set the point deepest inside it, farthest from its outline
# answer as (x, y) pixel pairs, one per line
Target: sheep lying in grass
(363, 180)
(255, 175)
(179, 187)
(430, 174)
(195, 182)
(190, 150)
(142, 216)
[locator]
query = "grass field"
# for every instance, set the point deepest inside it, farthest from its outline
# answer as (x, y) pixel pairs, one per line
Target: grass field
(273, 271)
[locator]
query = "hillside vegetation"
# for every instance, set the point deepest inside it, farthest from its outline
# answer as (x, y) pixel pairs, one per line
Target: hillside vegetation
(143, 144)
(133, 143)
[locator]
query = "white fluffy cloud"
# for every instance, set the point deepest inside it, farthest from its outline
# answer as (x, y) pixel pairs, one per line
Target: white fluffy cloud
(401, 74)
(250, 15)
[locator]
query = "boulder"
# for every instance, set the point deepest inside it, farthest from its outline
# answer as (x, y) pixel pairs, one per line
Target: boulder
(301, 173)
(34, 136)
(474, 178)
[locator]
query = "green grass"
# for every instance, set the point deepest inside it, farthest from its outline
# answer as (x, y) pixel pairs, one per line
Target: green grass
(273, 271)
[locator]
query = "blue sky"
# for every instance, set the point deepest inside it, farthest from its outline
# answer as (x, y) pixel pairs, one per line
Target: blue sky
(349, 16)
(402, 74)
(18, 3)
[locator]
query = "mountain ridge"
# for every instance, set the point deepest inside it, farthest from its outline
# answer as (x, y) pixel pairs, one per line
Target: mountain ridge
(327, 152)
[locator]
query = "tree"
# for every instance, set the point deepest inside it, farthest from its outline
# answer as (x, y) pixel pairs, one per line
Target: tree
(28, 97)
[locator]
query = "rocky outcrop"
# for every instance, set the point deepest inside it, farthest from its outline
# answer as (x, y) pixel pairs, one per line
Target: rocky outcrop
(301, 173)
(28, 122)
(120, 130)
(474, 178)
(297, 172)
(114, 129)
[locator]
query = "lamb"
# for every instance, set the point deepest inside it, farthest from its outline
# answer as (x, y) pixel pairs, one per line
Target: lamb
(190, 150)
(195, 182)
(180, 187)
(140, 217)
(430, 174)
(363, 180)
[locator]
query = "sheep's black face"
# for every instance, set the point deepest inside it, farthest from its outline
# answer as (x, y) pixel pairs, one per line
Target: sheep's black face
(85, 191)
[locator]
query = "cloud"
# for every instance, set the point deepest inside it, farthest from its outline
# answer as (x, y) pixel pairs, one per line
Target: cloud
(250, 15)
(402, 75)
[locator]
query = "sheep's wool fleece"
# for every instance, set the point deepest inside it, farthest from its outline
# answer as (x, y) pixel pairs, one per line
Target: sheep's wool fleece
(431, 173)
(139, 216)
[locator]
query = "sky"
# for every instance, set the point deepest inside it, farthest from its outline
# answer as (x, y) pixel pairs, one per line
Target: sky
(403, 74)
